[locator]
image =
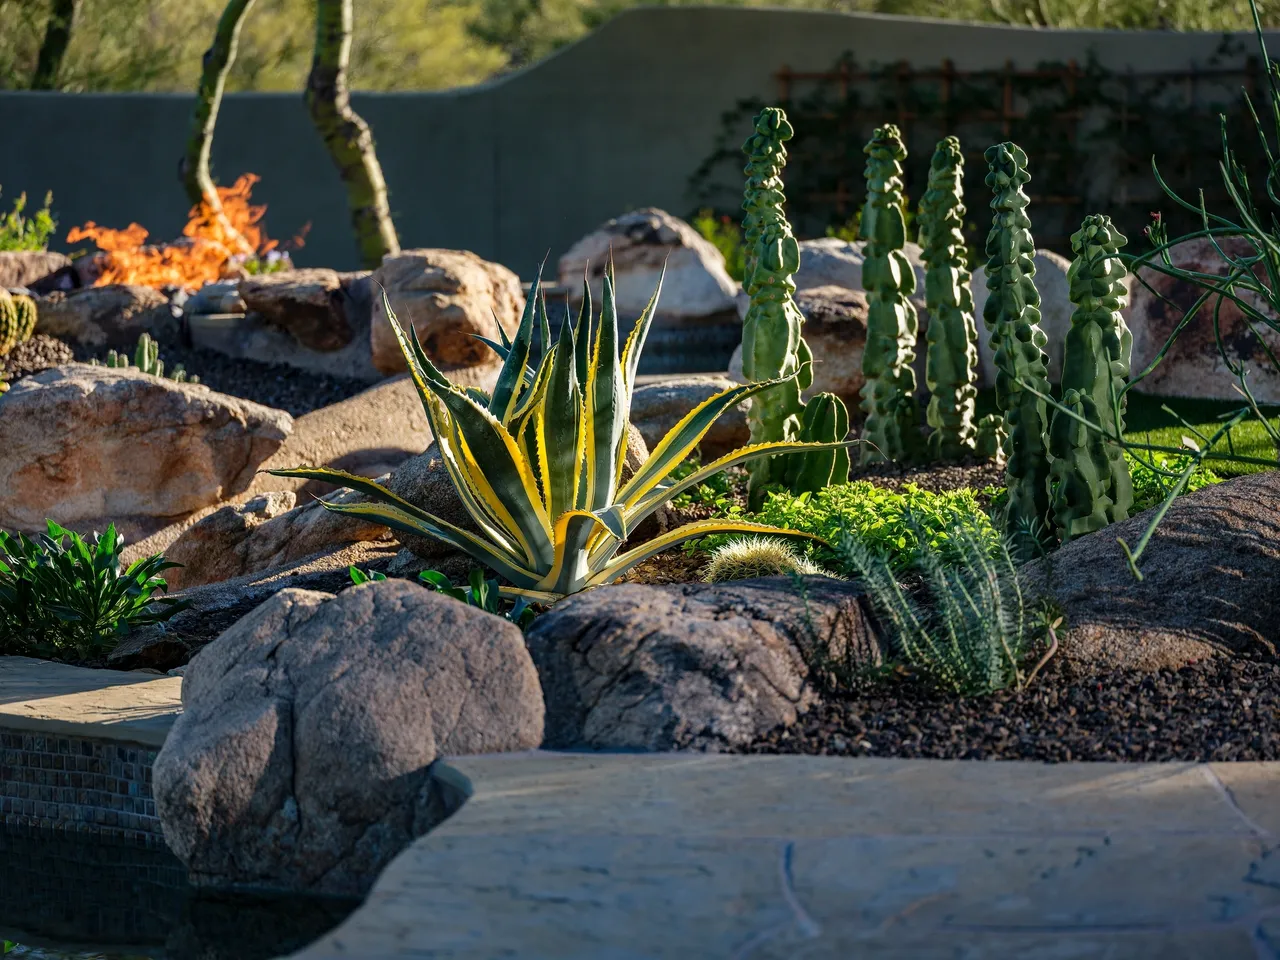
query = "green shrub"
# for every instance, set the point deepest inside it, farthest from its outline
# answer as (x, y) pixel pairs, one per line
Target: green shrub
(18, 232)
(725, 235)
(892, 524)
(1151, 487)
(61, 595)
(968, 629)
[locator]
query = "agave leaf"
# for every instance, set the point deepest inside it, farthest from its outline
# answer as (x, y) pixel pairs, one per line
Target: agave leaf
(423, 524)
(681, 439)
(506, 392)
(639, 333)
(573, 531)
(606, 407)
(618, 565)
(558, 424)
(584, 334)
(533, 596)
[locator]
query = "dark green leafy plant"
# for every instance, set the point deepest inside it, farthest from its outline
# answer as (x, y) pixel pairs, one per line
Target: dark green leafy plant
(1153, 478)
(482, 594)
(19, 232)
(62, 594)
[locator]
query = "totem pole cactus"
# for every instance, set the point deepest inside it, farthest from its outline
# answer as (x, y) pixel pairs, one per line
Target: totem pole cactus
(826, 420)
(1012, 316)
(888, 396)
(951, 366)
(1089, 476)
(771, 343)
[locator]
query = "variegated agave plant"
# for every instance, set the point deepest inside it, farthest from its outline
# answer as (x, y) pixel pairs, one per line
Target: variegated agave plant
(538, 464)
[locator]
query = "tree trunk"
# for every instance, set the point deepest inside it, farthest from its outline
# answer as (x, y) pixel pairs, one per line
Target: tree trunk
(194, 166)
(347, 136)
(57, 35)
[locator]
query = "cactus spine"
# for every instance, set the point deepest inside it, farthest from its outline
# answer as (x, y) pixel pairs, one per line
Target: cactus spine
(1012, 316)
(1089, 476)
(888, 396)
(771, 343)
(826, 420)
(951, 364)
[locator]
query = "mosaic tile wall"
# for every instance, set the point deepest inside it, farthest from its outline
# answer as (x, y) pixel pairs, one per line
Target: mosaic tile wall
(78, 786)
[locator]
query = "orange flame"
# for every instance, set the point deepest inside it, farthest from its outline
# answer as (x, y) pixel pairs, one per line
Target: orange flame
(207, 252)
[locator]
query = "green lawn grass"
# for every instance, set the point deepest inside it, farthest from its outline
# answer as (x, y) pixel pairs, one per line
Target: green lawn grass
(1147, 422)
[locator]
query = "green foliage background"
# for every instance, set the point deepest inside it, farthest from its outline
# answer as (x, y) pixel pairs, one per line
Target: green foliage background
(156, 45)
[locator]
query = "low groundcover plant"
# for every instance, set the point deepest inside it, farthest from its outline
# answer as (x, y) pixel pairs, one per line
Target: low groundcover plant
(538, 464)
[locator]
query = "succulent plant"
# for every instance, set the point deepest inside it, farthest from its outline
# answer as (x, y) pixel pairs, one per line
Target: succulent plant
(826, 420)
(9, 322)
(1012, 316)
(772, 348)
(1089, 476)
(537, 464)
(888, 396)
(26, 309)
(991, 438)
(146, 357)
(951, 366)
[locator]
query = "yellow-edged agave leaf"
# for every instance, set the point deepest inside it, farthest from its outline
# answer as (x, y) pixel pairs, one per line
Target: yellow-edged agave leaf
(623, 562)
(607, 406)
(558, 427)
(506, 392)
(400, 514)
(570, 571)
(640, 333)
(584, 335)
(684, 437)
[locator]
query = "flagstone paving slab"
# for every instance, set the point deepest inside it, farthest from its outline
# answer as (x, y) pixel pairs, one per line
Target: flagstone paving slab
(40, 696)
(568, 856)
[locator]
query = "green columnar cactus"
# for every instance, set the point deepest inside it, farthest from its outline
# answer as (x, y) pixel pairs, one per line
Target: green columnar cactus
(771, 343)
(8, 323)
(826, 420)
(888, 396)
(1012, 316)
(146, 357)
(1089, 477)
(951, 366)
(26, 308)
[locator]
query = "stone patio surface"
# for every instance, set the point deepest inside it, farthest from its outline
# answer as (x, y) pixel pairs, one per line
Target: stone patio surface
(623, 857)
(125, 706)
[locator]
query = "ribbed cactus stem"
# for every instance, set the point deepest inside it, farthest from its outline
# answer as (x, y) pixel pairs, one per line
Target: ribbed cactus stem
(1012, 316)
(825, 420)
(1089, 476)
(951, 365)
(888, 396)
(771, 344)
(9, 322)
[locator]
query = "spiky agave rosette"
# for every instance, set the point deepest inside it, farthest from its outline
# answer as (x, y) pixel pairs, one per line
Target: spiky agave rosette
(538, 464)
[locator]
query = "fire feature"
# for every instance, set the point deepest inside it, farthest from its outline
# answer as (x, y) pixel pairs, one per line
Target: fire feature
(206, 252)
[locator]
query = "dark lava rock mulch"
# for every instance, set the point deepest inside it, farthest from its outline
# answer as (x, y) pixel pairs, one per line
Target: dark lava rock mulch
(933, 477)
(35, 355)
(1219, 709)
(272, 384)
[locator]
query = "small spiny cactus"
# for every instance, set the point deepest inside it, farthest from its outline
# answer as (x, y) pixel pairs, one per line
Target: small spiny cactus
(758, 557)
(146, 357)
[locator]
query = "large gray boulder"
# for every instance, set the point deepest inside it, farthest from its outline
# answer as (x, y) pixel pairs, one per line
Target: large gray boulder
(702, 666)
(303, 758)
(1208, 588)
(640, 243)
(113, 315)
(87, 443)
(309, 304)
(21, 268)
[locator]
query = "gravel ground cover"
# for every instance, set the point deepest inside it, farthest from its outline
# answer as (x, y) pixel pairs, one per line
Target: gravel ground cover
(1208, 711)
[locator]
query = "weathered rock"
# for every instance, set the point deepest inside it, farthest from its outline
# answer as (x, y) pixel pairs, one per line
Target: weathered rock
(1193, 367)
(112, 316)
(641, 241)
(154, 647)
(306, 303)
(1055, 313)
(84, 442)
(369, 434)
(657, 407)
(302, 758)
(707, 666)
(22, 268)
(1208, 587)
(449, 297)
(835, 328)
(217, 296)
(263, 533)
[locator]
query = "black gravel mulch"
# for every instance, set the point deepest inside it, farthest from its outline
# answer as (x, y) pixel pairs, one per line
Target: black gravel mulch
(34, 355)
(934, 477)
(1213, 710)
